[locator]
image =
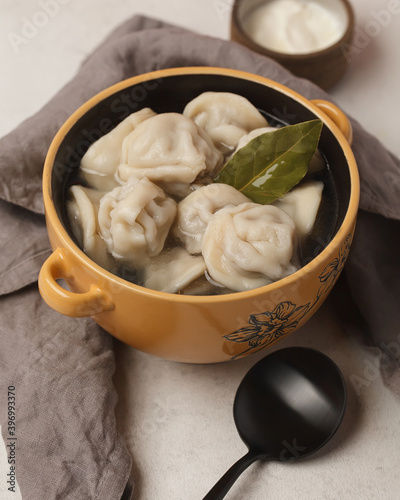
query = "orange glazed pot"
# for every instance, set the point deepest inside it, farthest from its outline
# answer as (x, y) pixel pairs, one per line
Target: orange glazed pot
(195, 329)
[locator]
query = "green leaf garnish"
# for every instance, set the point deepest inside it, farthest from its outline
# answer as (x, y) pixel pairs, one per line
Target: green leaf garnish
(273, 163)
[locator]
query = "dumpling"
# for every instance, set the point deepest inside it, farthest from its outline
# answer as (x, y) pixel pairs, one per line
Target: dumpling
(181, 191)
(202, 286)
(82, 210)
(168, 148)
(245, 139)
(249, 245)
(197, 209)
(225, 116)
(99, 163)
(302, 204)
(173, 270)
(317, 163)
(135, 219)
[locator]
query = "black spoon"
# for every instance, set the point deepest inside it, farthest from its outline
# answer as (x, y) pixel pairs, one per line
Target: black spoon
(287, 406)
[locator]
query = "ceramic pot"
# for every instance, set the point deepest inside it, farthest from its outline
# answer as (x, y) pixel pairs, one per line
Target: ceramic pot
(196, 329)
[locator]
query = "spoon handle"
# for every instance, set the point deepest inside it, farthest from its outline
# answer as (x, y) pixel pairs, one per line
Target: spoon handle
(221, 488)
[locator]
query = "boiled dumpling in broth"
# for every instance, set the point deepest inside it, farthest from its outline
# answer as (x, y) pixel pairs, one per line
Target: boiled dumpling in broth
(215, 240)
(135, 219)
(180, 191)
(197, 209)
(249, 245)
(168, 148)
(82, 210)
(302, 204)
(99, 163)
(317, 163)
(225, 116)
(245, 139)
(173, 270)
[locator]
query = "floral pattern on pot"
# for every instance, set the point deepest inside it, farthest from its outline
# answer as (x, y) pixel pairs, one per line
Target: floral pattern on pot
(266, 328)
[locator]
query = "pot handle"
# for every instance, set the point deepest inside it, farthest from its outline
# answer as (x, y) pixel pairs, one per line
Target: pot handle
(77, 305)
(337, 116)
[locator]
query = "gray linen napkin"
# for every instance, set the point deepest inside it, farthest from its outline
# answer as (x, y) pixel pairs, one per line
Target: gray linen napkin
(67, 444)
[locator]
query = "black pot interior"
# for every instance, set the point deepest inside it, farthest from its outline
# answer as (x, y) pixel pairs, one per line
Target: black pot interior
(171, 94)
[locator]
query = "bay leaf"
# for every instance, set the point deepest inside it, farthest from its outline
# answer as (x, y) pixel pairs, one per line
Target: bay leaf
(273, 163)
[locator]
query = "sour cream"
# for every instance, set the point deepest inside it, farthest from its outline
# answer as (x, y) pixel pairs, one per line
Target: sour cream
(296, 26)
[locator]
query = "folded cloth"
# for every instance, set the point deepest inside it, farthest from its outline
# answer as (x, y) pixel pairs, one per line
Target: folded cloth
(67, 445)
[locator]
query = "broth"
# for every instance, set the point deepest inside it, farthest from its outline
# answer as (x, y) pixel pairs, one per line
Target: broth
(306, 249)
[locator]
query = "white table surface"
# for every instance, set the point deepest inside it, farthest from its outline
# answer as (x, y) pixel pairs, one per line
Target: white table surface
(177, 419)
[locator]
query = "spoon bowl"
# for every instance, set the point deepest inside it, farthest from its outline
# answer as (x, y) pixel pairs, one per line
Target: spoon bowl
(287, 406)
